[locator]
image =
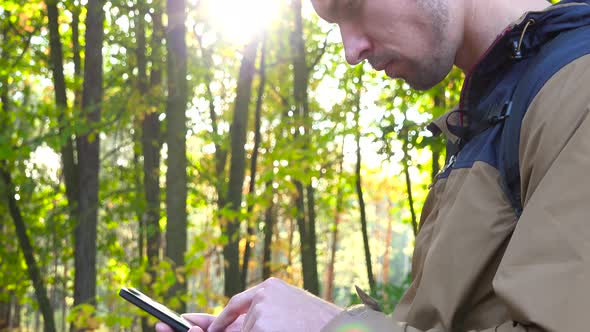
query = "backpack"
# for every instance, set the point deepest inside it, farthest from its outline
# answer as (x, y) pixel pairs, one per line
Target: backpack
(565, 47)
(555, 55)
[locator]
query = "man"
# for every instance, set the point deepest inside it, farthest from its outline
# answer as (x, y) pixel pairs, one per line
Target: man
(480, 264)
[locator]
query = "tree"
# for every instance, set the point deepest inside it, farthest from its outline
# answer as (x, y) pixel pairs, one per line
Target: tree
(7, 195)
(28, 251)
(61, 102)
(150, 140)
(305, 200)
(237, 168)
(176, 175)
(88, 159)
(269, 223)
(329, 292)
(254, 161)
(358, 182)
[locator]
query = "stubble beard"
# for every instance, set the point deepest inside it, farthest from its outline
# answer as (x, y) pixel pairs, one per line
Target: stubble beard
(432, 68)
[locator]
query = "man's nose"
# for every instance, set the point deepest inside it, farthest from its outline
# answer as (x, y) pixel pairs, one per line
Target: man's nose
(357, 46)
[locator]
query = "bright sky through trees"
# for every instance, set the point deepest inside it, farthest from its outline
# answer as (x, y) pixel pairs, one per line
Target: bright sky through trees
(239, 20)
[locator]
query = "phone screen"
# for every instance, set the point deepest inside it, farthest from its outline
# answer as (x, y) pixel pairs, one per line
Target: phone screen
(156, 309)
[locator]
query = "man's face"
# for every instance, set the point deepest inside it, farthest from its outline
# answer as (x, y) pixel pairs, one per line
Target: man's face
(408, 39)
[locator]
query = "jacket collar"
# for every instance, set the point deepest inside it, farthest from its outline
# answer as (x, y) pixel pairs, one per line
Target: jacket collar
(531, 31)
(526, 35)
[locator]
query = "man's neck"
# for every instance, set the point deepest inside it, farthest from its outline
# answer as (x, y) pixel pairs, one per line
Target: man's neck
(484, 21)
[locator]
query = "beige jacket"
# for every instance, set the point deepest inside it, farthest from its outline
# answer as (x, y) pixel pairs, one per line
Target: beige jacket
(475, 268)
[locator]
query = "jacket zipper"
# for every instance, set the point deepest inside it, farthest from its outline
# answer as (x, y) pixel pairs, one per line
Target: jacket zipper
(443, 170)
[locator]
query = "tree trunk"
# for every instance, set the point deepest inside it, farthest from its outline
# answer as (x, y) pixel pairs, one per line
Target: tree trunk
(14, 321)
(312, 241)
(303, 238)
(329, 294)
(68, 159)
(59, 85)
(156, 44)
(14, 313)
(439, 102)
(142, 88)
(386, 258)
(150, 142)
(64, 305)
(253, 161)
(151, 138)
(76, 50)
(290, 242)
(36, 324)
(4, 101)
(28, 253)
(406, 166)
(55, 258)
(4, 311)
(220, 150)
(88, 158)
(359, 189)
(176, 176)
(237, 168)
(306, 223)
(139, 210)
(268, 231)
(4, 304)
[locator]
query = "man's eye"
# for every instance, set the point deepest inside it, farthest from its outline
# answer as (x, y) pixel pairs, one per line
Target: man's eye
(350, 8)
(352, 4)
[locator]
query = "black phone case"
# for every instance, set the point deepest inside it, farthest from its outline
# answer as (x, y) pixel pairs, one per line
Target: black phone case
(156, 309)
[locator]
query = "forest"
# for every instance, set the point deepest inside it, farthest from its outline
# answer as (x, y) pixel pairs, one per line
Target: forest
(192, 149)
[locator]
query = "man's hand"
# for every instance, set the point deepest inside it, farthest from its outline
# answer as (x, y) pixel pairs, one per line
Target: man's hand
(202, 322)
(275, 306)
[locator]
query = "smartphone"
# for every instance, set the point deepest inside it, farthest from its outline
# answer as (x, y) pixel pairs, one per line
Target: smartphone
(144, 302)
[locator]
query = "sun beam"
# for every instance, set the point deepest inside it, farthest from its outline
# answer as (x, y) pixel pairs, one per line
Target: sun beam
(240, 20)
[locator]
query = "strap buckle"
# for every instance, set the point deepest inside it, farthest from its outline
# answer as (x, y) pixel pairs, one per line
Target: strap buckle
(506, 111)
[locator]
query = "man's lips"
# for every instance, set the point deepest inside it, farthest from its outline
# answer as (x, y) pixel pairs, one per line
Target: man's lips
(381, 66)
(388, 67)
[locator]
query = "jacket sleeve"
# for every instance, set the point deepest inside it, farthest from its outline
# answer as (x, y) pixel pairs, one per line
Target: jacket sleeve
(544, 275)
(362, 318)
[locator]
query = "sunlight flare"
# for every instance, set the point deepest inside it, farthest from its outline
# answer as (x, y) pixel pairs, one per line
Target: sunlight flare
(239, 20)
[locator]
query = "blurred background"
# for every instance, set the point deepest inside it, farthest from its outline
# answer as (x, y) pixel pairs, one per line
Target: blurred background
(193, 149)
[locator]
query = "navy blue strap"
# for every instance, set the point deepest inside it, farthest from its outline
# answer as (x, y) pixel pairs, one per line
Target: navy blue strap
(553, 56)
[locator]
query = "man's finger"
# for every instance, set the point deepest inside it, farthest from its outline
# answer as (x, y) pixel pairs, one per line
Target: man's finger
(236, 326)
(161, 327)
(251, 316)
(201, 320)
(239, 304)
(248, 324)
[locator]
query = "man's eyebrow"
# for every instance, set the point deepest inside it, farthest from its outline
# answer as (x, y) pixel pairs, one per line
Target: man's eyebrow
(338, 8)
(333, 5)
(331, 9)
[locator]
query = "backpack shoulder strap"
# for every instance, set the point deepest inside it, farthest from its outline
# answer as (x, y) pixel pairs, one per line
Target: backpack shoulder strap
(553, 56)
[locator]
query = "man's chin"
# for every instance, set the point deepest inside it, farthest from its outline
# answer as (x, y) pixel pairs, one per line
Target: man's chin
(422, 83)
(421, 86)
(414, 84)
